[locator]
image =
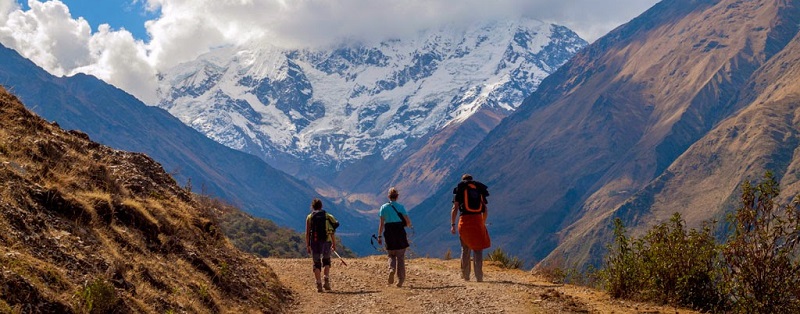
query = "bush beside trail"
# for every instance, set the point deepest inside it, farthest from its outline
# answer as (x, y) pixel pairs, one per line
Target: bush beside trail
(757, 270)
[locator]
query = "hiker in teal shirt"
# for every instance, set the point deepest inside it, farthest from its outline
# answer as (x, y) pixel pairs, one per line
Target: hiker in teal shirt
(394, 220)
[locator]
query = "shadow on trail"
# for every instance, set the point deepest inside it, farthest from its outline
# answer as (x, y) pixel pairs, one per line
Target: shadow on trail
(437, 288)
(529, 285)
(351, 292)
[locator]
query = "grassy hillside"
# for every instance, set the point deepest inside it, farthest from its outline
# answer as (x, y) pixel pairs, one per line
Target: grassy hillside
(260, 236)
(84, 228)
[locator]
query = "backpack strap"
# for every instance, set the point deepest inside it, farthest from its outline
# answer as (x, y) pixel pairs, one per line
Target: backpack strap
(402, 219)
(472, 186)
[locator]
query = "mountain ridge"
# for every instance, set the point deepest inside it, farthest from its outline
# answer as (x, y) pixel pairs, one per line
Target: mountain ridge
(609, 124)
(346, 103)
(115, 118)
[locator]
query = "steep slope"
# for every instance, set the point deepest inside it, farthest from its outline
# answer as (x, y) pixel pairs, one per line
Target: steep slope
(88, 229)
(116, 118)
(614, 118)
(417, 170)
(318, 110)
(703, 183)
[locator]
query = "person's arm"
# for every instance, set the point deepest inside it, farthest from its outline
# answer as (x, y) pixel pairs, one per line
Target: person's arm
(485, 204)
(408, 221)
(453, 214)
(308, 237)
(380, 231)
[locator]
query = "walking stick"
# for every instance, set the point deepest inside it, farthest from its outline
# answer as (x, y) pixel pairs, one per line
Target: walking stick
(373, 244)
(340, 258)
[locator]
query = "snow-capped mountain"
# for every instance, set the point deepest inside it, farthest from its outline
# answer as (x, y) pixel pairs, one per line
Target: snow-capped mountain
(330, 107)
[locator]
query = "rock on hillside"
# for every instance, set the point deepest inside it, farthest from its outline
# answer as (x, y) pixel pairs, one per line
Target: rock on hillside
(85, 228)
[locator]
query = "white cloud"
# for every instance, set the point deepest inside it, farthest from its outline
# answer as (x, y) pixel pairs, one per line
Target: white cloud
(47, 35)
(64, 45)
(122, 61)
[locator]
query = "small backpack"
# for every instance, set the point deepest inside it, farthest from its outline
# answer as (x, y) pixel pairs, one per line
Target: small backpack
(473, 198)
(319, 228)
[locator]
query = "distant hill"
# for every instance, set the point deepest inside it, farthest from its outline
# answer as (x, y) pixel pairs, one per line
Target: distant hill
(88, 229)
(667, 113)
(115, 118)
(260, 236)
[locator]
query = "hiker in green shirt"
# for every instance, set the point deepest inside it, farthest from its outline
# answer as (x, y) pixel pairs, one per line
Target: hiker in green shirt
(320, 241)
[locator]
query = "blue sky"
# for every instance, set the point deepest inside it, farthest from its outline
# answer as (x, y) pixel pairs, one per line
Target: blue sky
(128, 14)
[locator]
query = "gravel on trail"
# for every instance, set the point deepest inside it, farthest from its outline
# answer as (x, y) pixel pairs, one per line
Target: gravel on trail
(435, 286)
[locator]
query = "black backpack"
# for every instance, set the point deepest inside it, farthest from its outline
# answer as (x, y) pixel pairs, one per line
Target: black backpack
(473, 197)
(319, 228)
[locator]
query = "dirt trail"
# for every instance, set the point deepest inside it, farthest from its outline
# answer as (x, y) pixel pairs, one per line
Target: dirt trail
(434, 286)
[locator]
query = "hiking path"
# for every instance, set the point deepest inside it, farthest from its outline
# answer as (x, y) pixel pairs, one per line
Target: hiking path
(435, 286)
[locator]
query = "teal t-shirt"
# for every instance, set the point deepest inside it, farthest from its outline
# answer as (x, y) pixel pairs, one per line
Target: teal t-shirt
(388, 213)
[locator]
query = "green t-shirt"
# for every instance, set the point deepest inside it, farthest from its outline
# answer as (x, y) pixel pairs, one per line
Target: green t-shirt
(328, 224)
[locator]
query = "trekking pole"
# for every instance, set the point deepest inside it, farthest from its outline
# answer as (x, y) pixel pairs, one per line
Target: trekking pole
(340, 257)
(373, 243)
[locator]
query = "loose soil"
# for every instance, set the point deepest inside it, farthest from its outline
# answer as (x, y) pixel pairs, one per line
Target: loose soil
(435, 286)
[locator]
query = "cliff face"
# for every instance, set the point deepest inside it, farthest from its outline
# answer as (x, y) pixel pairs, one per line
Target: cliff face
(605, 135)
(85, 228)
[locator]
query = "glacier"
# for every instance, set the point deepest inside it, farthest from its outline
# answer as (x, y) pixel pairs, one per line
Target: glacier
(332, 106)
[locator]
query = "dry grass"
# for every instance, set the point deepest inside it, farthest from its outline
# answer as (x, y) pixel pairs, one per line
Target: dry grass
(84, 228)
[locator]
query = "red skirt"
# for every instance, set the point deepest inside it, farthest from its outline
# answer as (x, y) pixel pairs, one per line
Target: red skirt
(473, 233)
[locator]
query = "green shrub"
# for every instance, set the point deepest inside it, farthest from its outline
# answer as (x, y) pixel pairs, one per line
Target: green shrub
(505, 261)
(756, 271)
(763, 273)
(680, 265)
(623, 272)
(668, 265)
(97, 297)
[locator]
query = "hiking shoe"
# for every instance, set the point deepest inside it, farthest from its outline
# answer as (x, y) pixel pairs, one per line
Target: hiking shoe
(319, 287)
(391, 276)
(399, 283)
(327, 284)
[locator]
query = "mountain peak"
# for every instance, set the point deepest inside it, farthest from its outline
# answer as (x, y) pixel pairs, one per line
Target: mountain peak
(334, 106)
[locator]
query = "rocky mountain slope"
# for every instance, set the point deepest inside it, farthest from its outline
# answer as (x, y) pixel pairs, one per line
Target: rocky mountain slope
(88, 229)
(669, 112)
(115, 118)
(337, 117)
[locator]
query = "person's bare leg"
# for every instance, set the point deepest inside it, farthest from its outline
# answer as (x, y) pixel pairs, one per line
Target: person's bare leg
(465, 251)
(478, 265)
